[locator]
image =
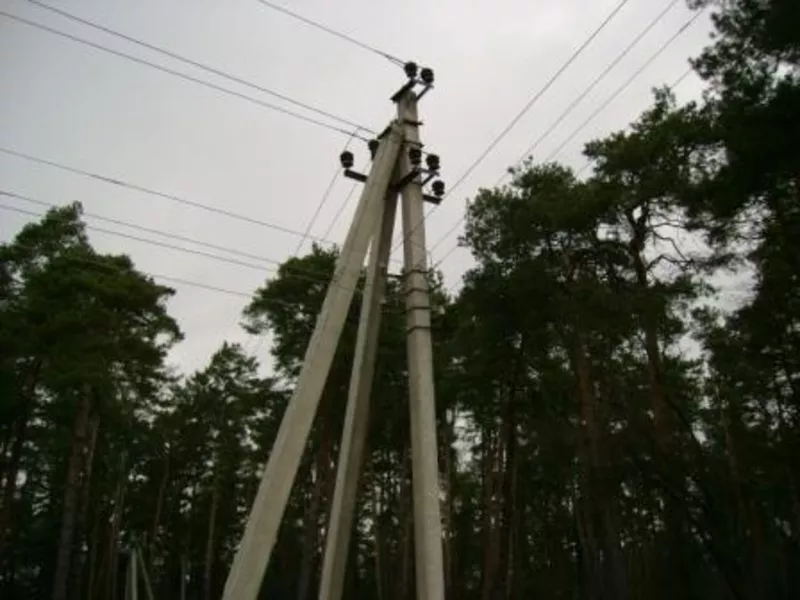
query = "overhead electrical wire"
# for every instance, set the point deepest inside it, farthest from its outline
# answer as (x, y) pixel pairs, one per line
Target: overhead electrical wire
(142, 228)
(169, 71)
(180, 200)
(217, 257)
(624, 86)
(299, 273)
(591, 117)
(325, 195)
(671, 87)
(539, 94)
(680, 79)
(197, 64)
(196, 284)
(340, 210)
(302, 274)
(171, 278)
(568, 110)
(179, 280)
(482, 156)
(158, 194)
(157, 276)
(333, 32)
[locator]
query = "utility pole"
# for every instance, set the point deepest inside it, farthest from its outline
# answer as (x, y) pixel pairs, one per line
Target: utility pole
(424, 456)
(145, 577)
(135, 561)
(396, 169)
(132, 587)
(184, 575)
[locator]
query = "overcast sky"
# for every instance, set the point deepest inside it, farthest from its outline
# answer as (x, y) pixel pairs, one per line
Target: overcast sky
(69, 103)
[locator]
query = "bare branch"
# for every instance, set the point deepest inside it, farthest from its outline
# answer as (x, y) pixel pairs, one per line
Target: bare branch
(666, 258)
(684, 258)
(670, 223)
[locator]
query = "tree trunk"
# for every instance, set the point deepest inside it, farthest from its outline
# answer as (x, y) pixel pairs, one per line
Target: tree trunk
(751, 528)
(209, 558)
(492, 484)
(311, 522)
(676, 578)
(11, 472)
(507, 486)
(605, 568)
(512, 519)
(69, 513)
(94, 542)
(448, 435)
(107, 579)
(83, 519)
(162, 490)
(587, 448)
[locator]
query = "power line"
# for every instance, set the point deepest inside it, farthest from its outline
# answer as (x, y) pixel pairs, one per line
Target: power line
(524, 111)
(592, 85)
(625, 85)
(31, 200)
(302, 274)
(158, 194)
(171, 278)
(179, 280)
(199, 65)
(232, 261)
(539, 94)
(342, 206)
(680, 79)
(86, 260)
(169, 71)
(325, 195)
(591, 117)
(299, 273)
(672, 87)
(333, 32)
(204, 286)
(181, 200)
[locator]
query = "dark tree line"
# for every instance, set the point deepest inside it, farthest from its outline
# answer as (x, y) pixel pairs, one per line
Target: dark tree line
(607, 428)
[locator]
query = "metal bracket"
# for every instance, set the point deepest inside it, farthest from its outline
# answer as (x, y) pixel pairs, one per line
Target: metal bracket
(431, 175)
(424, 91)
(360, 177)
(403, 90)
(410, 85)
(355, 175)
(406, 179)
(385, 132)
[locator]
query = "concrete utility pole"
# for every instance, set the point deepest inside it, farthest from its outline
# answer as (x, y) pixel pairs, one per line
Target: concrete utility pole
(424, 457)
(132, 588)
(145, 577)
(396, 168)
(132, 582)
